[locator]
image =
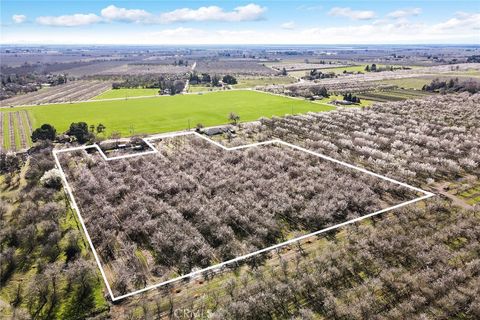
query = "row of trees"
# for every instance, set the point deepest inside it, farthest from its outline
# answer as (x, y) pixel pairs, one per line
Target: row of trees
(307, 92)
(180, 62)
(213, 81)
(351, 98)
(167, 84)
(374, 68)
(452, 85)
(13, 84)
(80, 131)
(316, 74)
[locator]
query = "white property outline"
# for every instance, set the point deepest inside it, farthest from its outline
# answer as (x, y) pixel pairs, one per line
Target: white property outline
(240, 258)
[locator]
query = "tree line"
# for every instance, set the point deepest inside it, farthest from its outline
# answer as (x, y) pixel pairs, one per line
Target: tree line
(452, 85)
(80, 132)
(214, 81)
(166, 84)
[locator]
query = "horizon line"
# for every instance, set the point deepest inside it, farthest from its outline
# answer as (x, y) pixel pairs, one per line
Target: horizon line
(244, 44)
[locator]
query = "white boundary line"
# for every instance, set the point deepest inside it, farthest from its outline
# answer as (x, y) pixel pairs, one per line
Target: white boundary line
(240, 258)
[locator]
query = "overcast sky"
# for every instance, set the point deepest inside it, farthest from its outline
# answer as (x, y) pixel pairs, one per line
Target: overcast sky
(237, 22)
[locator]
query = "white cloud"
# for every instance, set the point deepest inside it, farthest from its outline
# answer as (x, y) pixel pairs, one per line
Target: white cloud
(403, 13)
(462, 19)
(19, 18)
(69, 20)
(366, 33)
(352, 14)
(290, 25)
(399, 31)
(250, 12)
(112, 13)
(309, 8)
(461, 27)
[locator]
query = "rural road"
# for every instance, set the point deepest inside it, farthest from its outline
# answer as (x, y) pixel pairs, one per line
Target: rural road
(187, 83)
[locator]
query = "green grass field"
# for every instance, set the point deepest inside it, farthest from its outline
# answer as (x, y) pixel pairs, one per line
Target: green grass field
(169, 113)
(16, 126)
(363, 102)
(201, 88)
(338, 70)
(25, 128)
(298, 73)
(394, 95)
(408, 83)
(6, 134)
(252, 82)
(126, 93)
(472, 195)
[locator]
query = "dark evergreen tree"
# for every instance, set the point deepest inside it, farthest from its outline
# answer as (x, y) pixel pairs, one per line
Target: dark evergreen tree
(45, 132)
(79, 130)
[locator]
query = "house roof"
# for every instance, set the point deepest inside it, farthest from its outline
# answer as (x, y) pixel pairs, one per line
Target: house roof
(214, 131)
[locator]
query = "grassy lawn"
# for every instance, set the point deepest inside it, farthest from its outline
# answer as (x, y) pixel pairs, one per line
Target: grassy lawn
(472, 195)
(466, 73)
(252, 82)
(125, 93)
(200, 88)
(25, 128)
(170, 113)
(409, 83)
(363, 102)
(298, 73)
(339, 70)
(6, 133)
(16, 127)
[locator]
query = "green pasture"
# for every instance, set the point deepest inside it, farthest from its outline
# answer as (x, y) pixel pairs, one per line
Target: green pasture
(331, 98)
(339, 70)
(202, 88)
(169, 113)
(126, 93)
(6, 133)
(252, 82)
(298, 73)
(409, 83)
(394, 95)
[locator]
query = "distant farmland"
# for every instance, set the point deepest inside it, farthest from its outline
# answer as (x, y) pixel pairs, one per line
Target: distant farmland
(166, 113)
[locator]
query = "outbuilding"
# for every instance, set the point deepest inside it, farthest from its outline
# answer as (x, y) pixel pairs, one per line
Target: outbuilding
(218, 130)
